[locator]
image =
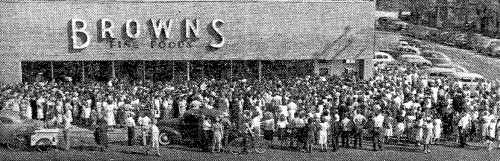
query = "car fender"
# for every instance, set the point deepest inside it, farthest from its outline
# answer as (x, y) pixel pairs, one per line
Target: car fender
(174, 135)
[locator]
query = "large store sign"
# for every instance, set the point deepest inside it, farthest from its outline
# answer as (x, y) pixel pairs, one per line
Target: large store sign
(160, 31)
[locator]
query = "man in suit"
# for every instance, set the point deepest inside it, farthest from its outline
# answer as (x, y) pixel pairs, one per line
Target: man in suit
(336, 128)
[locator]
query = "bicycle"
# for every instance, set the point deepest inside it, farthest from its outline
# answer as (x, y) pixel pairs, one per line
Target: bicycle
(257, 144)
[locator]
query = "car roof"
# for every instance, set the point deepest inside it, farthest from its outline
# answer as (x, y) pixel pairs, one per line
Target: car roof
(206, 112)
(411, 56)
(439, 70)
(441, 54)
(467, 75)
(380, 53)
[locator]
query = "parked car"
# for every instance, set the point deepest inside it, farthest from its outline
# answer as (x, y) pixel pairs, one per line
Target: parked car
(185, 129)
(477, 41)
(493, 45)
(414, 59)
(436, 57)
(487, 45)
(456, 67)
(444, 37)
(410, 42)
(459, 40)
(16, 130)
(392, 23)
(466, 79)
(409, 50)
(379, 57)
(434, 35)
(495, 51)
(436, 72)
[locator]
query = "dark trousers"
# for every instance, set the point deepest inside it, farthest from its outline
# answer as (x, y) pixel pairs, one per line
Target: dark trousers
(358, 138)
(335, 141)
(377, 139)
(207, 140)
(67, 139)
(131, 135)
(346, 136)
(463, 136)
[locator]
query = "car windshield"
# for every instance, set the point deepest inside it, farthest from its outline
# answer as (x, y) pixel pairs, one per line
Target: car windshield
(441, 61)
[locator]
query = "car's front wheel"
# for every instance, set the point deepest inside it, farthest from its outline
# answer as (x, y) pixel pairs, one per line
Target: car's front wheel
(16, 144)
(164, 139)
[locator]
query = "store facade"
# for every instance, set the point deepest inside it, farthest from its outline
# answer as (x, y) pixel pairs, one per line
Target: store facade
(179, 40)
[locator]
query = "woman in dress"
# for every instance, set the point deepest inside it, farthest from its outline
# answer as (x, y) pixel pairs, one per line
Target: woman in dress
(388, 123)
(110, 115)
(492, 130)
(400, 127)
(217, 129)
(437, 129)
(410, 125)
(311, 129)
(59, 110)
(428, 132)
(323, 135)
(419, 129)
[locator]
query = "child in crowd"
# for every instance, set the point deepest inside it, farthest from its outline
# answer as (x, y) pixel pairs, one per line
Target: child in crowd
(218, 132)
(323, 135)
(155, 140)
(282, 130)
(311, 129)
(428, 131)
(437, 129)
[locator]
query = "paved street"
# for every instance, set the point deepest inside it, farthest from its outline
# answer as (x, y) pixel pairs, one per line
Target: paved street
(487, 66)
(118, 151)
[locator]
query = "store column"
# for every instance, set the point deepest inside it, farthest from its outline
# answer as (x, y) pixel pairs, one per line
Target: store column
(52, 70)
(113, 71)
(260, 70)
(83, 71)
(188, 70)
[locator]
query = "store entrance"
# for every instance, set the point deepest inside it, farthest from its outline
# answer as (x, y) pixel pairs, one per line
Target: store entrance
(162, 70)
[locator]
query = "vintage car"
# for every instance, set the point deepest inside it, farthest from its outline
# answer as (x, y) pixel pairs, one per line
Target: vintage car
(414, 59)
(186, 129)
(16, 130)
(436, 57)
(456, 67)
(390, 23)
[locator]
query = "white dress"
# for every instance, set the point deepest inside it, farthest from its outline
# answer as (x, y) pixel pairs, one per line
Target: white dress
(437, 128)
(323, 135)
(420, 130)
(492, 127)
(110, 116)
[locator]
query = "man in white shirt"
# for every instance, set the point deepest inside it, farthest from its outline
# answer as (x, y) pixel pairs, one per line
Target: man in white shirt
(144, 121)
(378, 121)
(359, 122)
(463, 126)
(292, 108)
(130, 122)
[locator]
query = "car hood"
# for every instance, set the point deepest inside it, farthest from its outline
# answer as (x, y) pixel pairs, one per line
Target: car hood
(170, 122)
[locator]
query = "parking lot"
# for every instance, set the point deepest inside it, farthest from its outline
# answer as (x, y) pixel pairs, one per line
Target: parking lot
(473, 61)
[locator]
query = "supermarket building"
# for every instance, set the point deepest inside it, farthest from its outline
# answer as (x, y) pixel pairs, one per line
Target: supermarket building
(183, 40)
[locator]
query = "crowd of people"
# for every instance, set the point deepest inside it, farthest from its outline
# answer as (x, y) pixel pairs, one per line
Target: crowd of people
(397, 103)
